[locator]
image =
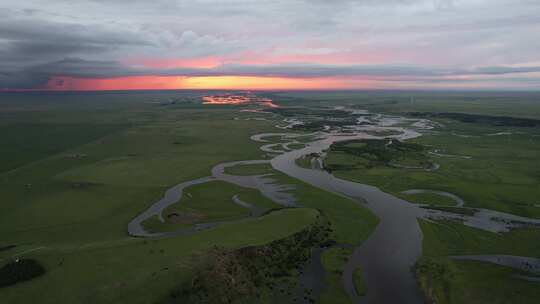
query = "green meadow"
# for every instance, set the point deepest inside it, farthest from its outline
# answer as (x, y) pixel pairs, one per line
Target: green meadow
(449, 281)
(491, 171)
(77, 168)
(487, 164)
(76, 174)
(68, 203)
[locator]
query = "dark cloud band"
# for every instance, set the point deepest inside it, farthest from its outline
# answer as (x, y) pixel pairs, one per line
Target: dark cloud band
(439, 39)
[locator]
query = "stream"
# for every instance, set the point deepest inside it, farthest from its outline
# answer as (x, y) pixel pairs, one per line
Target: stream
(389, 254)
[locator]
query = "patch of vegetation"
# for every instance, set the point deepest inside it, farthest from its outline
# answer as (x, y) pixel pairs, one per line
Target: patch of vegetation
(238, 276)
(142, 271)
(334, 260)
(358, 280)
(24, 143)
(273, 139)
(372, 153)
(306, 160)
(153, 224)
(446, 238)
(246, 170)
(435, 278)
(350, 222)
(513, 104)
(296, 146)
(458, 210)
(382, 132)
(444, 280)
(7, 247)
(316, 118)
(320, 124)
(20, 271)
(428, 198)
(306, 138)
(309, 112)
(256, 199)
(500, 172)
(208, 202)
(505, 121)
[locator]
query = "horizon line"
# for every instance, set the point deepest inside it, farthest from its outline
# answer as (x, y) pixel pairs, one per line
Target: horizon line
(479, 90)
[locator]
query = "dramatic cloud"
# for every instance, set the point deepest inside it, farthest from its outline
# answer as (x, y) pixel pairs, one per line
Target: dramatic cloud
(347, 44)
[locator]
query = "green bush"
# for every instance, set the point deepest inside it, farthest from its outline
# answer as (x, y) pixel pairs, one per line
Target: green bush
(20, 270)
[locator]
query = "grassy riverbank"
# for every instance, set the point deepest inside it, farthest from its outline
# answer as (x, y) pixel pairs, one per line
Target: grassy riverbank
(485, 159)
(334, 261)
(350, 225)
(253, 274)
(449, 281)
(247, 170)
(486, 168)
(207, 203)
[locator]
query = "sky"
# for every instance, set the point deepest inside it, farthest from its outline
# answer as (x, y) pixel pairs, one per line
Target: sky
(279, 44)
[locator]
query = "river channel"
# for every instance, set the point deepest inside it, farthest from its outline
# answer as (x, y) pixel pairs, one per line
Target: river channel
(389, 254)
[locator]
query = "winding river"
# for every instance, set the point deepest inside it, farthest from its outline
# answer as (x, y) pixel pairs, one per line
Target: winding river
(388, 255)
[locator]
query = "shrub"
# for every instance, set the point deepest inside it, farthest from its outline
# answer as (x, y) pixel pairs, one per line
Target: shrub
(19, 271)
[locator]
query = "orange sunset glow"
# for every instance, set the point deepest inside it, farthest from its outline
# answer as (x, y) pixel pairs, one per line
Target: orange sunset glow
(206, 82)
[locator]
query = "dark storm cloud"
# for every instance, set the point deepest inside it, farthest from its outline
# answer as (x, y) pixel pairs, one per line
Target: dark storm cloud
(433, 39)
(28, 39)
(31, 51)
(79, 68)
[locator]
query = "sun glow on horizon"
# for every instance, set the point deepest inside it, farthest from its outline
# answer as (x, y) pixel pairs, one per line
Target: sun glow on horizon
(61, 83)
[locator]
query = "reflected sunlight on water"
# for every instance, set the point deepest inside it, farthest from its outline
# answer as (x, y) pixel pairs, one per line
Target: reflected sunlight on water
(238, 99)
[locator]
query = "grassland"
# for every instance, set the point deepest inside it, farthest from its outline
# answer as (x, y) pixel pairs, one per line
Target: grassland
(56, 199)
(246, 170)
(261, 274)
(350, 225)
(212, 201)
(296, 146)
(487, 171)
(515, 104)
(447, 281)
(452, 238)
(484, 159)
(432, 199)
(68, 206)
(450, 281)
(94, 161)
(255, 198)
(376, 153)
(207, 203)
(25, 143)
(350, 222)
(139, 271)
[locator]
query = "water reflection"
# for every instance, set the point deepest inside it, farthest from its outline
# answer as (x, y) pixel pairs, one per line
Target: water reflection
(238, 99)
